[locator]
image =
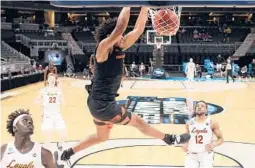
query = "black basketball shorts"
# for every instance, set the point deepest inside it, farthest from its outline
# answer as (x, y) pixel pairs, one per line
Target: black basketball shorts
(104, 110)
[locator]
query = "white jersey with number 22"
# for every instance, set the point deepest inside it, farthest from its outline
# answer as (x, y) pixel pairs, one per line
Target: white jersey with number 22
(51, 99)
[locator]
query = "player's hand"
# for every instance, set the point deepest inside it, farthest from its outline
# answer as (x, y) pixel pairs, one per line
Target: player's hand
(209, 147)
(185, 147)
(67, 154)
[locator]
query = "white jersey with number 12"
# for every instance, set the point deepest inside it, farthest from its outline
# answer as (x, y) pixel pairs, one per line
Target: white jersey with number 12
(201, 135)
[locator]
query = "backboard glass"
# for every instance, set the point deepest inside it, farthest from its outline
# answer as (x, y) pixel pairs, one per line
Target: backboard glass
(155, 3)
(152, 38)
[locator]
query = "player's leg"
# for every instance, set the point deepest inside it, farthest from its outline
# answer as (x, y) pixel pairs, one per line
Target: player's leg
(119, 115)
(125, 118)
(111, 113)
(47, 130)
(60, 128)
(103, 129)
(192, 76)
(227, 76)
(206, 160)
(133, 120)
(232, 76)
(102, 134)
(191, 161)
(188, 75)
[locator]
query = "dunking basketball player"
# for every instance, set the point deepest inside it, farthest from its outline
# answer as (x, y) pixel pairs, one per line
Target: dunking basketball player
(52, 121)
(23, 152)
(49, 69)
(106, 82)
(200, 146)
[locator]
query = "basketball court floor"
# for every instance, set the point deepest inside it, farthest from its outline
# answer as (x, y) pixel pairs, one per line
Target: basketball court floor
(232, 105)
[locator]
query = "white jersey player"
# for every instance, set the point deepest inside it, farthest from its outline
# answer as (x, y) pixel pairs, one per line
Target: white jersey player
(190, 70)
(51, 98)
(23, 152)
(200, 146)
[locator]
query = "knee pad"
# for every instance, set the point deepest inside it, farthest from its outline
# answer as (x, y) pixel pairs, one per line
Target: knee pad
(99, 123)
(124, 116)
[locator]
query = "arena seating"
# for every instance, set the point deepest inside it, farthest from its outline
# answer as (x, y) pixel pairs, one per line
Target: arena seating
(40, 35)
(6, 25)
(251, 50)
(85, 36)
(9, 53)
(182, 48)
(28, 26)
(237, 35)
(7, 35)
(244, 47)
(75, 48)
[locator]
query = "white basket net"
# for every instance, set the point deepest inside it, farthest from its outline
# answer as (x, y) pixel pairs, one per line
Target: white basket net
(163, 27)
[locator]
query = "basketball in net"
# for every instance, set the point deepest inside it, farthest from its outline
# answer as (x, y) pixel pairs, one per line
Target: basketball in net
(165, 22)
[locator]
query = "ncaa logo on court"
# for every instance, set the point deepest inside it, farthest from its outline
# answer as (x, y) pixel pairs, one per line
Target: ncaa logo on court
(171, 110)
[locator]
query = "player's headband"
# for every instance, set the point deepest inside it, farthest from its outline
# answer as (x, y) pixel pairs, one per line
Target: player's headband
(16, 120)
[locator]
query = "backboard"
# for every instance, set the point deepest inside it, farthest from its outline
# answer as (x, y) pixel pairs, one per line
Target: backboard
(155, 3)
(154, 39)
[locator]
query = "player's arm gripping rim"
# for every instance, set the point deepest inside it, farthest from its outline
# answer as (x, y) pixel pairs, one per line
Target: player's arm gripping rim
(217, 132)
(107, 43)
(47, 159)
(132, 36)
